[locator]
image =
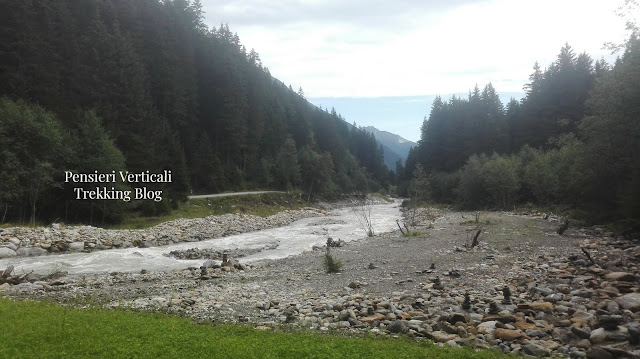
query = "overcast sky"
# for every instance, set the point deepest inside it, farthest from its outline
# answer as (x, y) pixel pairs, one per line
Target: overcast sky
(371, 48)
(380, 48)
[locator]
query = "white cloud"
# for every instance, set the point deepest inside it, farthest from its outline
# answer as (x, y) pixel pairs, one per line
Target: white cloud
(380, 48)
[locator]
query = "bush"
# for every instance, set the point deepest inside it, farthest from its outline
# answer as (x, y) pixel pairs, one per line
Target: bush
(331, 264)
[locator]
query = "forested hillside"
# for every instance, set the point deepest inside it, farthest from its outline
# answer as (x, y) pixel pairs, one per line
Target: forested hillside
(573, 141)
(102, 85)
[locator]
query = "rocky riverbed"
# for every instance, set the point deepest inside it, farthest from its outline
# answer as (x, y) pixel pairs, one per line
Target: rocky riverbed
(29, 241)
(523, 289)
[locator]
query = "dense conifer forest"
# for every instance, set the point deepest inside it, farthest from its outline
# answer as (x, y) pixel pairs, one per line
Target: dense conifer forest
(145, 85)
(102, 85)
(572, 142)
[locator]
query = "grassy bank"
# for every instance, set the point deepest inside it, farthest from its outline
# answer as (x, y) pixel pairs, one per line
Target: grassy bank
(39, 330)
(263, 205)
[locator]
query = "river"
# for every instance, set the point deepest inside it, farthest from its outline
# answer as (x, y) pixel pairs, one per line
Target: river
(280, 242)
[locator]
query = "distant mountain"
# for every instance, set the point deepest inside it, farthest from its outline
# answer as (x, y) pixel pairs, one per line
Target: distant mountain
(395, 147)
(390, 157)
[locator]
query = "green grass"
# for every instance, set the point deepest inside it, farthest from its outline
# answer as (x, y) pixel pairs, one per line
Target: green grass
(40, 330)
(263, 205)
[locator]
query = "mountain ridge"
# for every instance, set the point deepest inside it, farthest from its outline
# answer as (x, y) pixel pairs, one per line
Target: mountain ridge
(395, 146)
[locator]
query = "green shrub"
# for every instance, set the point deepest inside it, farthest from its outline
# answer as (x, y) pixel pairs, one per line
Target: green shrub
(331, 264)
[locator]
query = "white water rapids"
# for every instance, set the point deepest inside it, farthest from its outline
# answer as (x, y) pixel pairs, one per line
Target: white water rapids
(293, 239)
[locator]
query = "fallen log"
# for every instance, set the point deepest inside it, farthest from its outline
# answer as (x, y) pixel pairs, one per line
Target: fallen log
(401, 231)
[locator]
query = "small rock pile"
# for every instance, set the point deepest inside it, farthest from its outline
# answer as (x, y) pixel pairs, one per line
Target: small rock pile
(208, 253)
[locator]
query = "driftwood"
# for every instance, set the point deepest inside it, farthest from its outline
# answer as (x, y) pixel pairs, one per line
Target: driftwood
(474, 240)
(588, 256)
(15, 279)
(401, 231)
(7, 272)
(6, 277)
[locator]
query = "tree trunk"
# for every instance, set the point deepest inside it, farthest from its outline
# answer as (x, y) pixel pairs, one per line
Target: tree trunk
(310, 189)
(6, 208)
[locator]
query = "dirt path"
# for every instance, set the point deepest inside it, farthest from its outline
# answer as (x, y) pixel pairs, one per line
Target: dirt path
(231, 194)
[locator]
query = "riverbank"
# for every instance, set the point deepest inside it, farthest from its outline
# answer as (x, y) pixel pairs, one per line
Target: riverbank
(36, 241)
(561, 300)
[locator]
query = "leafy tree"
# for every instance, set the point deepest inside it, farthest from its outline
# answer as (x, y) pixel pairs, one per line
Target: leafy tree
(501, 181)
(33, 147)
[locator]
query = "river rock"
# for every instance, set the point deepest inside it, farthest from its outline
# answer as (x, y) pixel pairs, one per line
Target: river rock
(373, 318)
(621, 276)
(610, 322)
(629, 301)
(634, 334)
(7, 252)
(397, 327)
(598, 353)
(583, 344)
(508, 334)
(487, 327)
(583, 333)
(541, 306)
(76, 246)
(30, 251)
(601, 335)
(535, 350)
(441, 337)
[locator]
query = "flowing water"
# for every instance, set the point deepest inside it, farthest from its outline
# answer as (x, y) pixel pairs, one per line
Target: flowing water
(280, 242)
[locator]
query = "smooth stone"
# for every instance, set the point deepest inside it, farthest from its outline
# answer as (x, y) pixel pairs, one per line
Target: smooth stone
(508, 334)
(621, 276)
(7, 252)
(535, 333)
(629, 301)
(76, 246)
(452, 343)
(598, 353)
(373, 318)
(542, 306)
(601, 335)
(613, 307)
(583, 333)
(30, 251)
(583, 344)
(610, 322)
(487, 327)
(397, 327)
(535, 350)
(442, 337)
